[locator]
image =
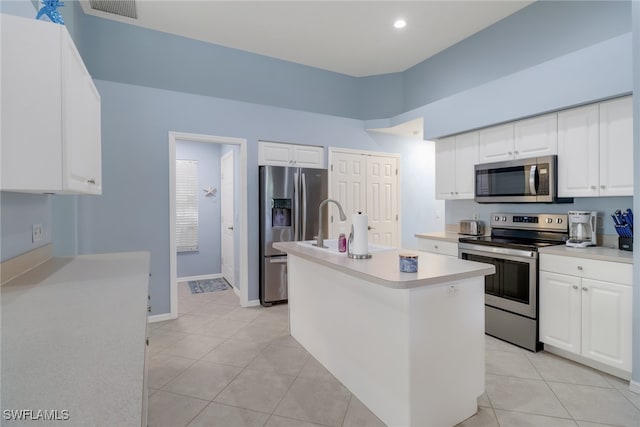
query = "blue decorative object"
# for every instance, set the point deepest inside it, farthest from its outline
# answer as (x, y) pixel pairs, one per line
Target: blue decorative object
(50, 9)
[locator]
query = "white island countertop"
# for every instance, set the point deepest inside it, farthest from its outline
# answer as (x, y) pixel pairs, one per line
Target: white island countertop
(383, 267)
(73, 340)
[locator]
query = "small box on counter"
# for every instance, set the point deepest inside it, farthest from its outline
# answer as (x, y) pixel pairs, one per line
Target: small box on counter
(625, 243)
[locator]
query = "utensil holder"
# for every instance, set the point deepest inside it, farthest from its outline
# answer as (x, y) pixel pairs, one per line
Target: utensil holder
(625, 243)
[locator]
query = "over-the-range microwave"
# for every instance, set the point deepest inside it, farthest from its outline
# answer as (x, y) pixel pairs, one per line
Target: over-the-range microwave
(532, 180)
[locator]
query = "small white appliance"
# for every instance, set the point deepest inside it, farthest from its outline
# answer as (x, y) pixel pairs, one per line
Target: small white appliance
(582, 229)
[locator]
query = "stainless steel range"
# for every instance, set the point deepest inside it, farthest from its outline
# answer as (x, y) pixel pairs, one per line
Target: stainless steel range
(511, 294)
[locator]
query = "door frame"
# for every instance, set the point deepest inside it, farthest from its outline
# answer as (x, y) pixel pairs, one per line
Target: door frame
(242, 207)
(370, 153)
(223, 159)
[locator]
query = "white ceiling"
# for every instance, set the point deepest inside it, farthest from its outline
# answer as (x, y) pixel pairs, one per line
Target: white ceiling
(356, 38)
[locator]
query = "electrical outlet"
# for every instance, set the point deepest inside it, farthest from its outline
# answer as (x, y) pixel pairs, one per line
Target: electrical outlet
(36, 233)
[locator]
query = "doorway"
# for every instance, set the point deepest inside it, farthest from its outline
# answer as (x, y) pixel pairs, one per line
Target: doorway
(240, 227)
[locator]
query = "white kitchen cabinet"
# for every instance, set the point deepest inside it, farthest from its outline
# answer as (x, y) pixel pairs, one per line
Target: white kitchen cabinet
(582, 311)
(534, 137)
(595, 150)
(455, 160)
(496, 143)
(50, 112)
(280, 154)
(438, 246)
(616, 147)
(578, 152)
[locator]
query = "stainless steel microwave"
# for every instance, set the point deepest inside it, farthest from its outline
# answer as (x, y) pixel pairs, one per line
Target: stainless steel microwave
(532, 180)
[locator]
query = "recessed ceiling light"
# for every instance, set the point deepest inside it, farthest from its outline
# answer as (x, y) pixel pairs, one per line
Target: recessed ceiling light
(400, 23)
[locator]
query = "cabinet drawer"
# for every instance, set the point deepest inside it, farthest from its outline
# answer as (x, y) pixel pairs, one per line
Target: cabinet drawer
(616, 272)
(438, 246)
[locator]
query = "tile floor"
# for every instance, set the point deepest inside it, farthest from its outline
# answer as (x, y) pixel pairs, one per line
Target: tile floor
(223, 365)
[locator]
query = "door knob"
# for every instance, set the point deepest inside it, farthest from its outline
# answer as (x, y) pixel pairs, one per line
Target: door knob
(230, 228)
(371, 228)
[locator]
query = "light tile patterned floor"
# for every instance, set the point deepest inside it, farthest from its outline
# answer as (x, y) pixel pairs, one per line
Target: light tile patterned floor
(223, 365)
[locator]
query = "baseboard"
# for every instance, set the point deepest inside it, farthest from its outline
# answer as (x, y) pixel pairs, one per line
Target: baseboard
(588, 362)
(252, 303)
(14, 267)
(634, 386)
(160, 318)
(202, 277)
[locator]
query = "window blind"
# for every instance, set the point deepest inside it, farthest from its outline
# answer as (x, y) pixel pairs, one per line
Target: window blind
(186, 205)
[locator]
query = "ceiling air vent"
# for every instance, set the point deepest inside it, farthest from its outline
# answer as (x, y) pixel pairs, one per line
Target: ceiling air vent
(117, 7)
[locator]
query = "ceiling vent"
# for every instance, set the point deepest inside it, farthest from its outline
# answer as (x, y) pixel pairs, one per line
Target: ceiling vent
(125, 8)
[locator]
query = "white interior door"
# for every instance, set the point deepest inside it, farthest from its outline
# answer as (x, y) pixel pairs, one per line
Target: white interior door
(382, 199)
(365, 182)
(347, 185)
(228, 215)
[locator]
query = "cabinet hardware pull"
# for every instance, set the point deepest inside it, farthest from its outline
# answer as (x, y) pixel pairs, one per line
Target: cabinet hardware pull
(435, 247)
(91, 181)
(575, 286)
(585, 289)
(510, 153)
(580, 267)
(593, 187)
(603, 186)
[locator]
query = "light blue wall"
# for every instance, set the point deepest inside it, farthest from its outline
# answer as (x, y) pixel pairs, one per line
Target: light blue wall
(538, 33)
(18, 213)
(133, 211)
(206, 260)
(236, 209)
(464, 209)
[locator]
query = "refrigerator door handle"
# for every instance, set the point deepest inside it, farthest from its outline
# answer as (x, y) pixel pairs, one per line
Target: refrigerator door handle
(304, 207)
(280, 260)
(296, 207)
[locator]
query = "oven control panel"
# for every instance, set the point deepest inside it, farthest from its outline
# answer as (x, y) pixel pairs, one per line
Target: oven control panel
(553, 222)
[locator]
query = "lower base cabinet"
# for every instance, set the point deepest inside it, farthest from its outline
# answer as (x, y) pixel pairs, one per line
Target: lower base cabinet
(584, 315)
(438, 247)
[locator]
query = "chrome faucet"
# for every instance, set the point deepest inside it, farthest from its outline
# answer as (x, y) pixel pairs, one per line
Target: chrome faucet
(343, 217)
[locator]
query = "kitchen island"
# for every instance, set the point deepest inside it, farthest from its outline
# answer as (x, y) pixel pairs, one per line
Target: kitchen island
(410, 346)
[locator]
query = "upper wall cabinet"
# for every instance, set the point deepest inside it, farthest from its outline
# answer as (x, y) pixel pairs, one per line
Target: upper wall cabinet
(301, 156)
(525, 138)
(455, 160)
(595, 150)
(50, 140)
(616, 147)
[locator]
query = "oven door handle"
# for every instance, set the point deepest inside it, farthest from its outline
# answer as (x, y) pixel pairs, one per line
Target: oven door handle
(532, 180)
(500, 253)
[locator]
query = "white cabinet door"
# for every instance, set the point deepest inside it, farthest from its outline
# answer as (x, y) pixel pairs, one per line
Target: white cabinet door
(80, 125)
(535, 137)
(382, 200)
(606, 323)
(616, 147)
(560, 311)
(445, 168)
(466, 158)
(578, 152)
(274, 154)
(308, 156)
(31, 144)
(496, 143)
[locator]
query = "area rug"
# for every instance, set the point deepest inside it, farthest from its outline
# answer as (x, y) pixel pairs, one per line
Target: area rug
(208, 285)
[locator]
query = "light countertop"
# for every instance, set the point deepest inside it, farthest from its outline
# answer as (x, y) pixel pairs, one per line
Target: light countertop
(73, 338)
(446, 236)
(383, 267)
(595, 252)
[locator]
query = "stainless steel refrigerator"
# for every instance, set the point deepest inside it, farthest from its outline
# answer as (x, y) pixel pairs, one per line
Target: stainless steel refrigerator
(289, 201)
